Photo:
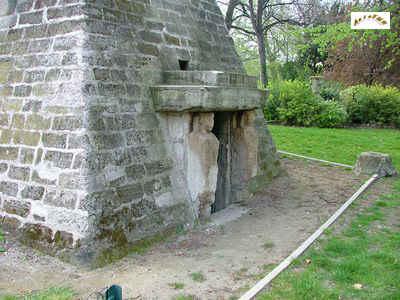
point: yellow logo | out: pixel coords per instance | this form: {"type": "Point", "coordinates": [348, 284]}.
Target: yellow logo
{"type": "Point", "coordinates": [370, 20]}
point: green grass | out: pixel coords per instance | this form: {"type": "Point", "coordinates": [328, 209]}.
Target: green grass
{"type": "Point", "coordinates": [50, 294]}
{"type": "Point", "coordinates": [338, 145]}
{"type": "Point", "coordinates": [268, 245]}
{"type": "Point", "coordinates": [1, 241]}
{"type": "Point", "coordinates": [198, 277]}
{"type": "Point", "coordinates": [177, 285]}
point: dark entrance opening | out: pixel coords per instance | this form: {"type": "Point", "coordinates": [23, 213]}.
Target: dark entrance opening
{"type": "Point", "coordinates": [183, 65]}
{"type": "Point", "coordinates": [222, 130]}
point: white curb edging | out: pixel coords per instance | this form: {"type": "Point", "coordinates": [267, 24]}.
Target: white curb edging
{"type": "Point", "coordinates": [316, 159]}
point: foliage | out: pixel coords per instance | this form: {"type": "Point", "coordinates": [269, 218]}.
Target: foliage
{"type": "Point", "coordinates": [332, 114]}
{"type": "Point", "coordinates": [340, 145]}
{"type": "Point", "coordinates": [361, 56]}
{"type": "Point", "coordinates": [271, 108]}
{"type": "Point", "coordinates": [293, 103]}
{"type": "Point", "coordinates": [298, 104]}
{"type": "Point", "coordinates": [330, 90]}
{"type": "Point", "coordinates": [292, 70]}
{"type": "Point", "coordinates": [346, 265]}
{"type": "Point", "coordinates": [372, 105]}
{"type": "Point", "coordinates": [353, 56]}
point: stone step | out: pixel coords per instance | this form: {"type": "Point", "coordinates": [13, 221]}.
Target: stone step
{"type": "Point", "coordinates": [200, 98]}
{"type": "Point", "coordinates": [210, 78]}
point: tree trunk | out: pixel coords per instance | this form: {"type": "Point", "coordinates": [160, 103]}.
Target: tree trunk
{"type": "Point", "coordinates": [262, 59]}
{"type": "Point", "coordinates": [229, 13]}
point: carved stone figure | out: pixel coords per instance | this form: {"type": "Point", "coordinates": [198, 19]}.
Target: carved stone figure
{"type": "Point", "coordinates": [202, 162]}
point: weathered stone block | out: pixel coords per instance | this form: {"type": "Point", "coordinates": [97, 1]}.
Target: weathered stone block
{"type": "Point", "coordinates": [65, 43]}
{"type": "Point", "coordinates": [5, 136]}
{"type": "Point", "coordinates": [3, 168]}
{"type": "Point", "coordinates": [32, 105]}
{"type": "Point", "coordinates": [23, 6]}
{"type": "Point", "coordinates": [26, 155]}
{"type": "Point", "coordinates": [107, 141]}
{"type": "Point", "coordinates": [59, 159]}
{"type": "Point", "coordinates": [5, 67]}
{"type": "Point", "coordinates": [148, 49]}
{"type": "Point", "coordinates": [65, 12]}
{"type": "Point", "coordinates": [10, 224]}
{"type": "Point", "coordinates": [17, 207]}
{"type": "Point", "coordinates": [52, 140]}
{"type": "Point", "coordinates": [18, 121]}
{"type": "Point", "coordinates": [129, 193]}
{"type": "Point", "coordinates": [12, 104]}
{"type": "Point", "coordinates": [67, 123]}
{"type": "Point", "coordinates": [135, 171]}
{"type": "Point", "coordinates": [78, 141]}
{"type": "Point", "coordinates": [9, 188]}
{"type": "Point", "coordinates": [62, 199]}
{"type": "Point", "coordinates": [375, 163]}
{"type": "Point", "coordinates": [180, 98]}
{"type": "Point", "coordinates": [158, 167]}
{"type": "Point", "coordinates": [6, 90]}
{"type": "Point", "coordinates": [22, 91]}
{"type": "Point", "coordinates": [43, 180]}
{"type": "Point", "coordinates": [32, 192]}
{"type": "Point", "coordinates": [42, 45]}
{"type": "Point", "coordinates": [8, 153]}
{"type": "Point", "coordinates": [71, 181]}
{"type": "Point", "coordinates": [39, 122]}
{"type": "Point", "coordinates": [31, 18]}
{"type": "Point", "coordinates": [34, 76]}
{"type": "Point", "coordinates": [4, 119]}
{"type": "Point", "coordinates": [19, 173]}
{"type": "Point", "coordinates": [15, 76]}
{"type": "Point", "coordinates": [44, 3]}
{"type": "Point", "coordinates": [27, 138]}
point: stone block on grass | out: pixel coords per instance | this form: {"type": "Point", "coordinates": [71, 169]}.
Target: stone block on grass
{"type": "Point", "coordinates": [370, 163]}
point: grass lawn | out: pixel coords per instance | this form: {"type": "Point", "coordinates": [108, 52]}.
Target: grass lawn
{"type": "Point", "coordinates": [363, 260]}
{"type": "Point", "coordinates": [338, 145]}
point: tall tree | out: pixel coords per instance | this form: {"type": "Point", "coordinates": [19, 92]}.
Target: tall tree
{"type": "Point", "coordinates": [261, 16]}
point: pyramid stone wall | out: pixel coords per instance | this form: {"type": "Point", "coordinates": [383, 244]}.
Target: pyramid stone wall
{"type": "Point", "coordinates": [84, 162]}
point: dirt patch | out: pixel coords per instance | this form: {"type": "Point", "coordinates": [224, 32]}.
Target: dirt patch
{"type": "Point", "coordinates": [252, 239]}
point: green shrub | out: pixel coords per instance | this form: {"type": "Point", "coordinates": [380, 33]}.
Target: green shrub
{"type": "Point", "coordinates": [273, 103]}
{"type": "Point", "coordinates": [332, 114]}
{"type": "Point", "coordinates": [372, 105]}
{"type": "Point", "coordinates": [293, 103]}
{"type": "Point", "coordinates": [297, 104]}
{"type": "Point", "coordinates": [330, 90]}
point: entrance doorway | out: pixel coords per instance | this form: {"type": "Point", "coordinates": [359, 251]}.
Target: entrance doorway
{"type": "Point", "coordinates": [222, 130]}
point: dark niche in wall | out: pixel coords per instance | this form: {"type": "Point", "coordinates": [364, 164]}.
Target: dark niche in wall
{"type": "Point", "coordinates": [183, 65]}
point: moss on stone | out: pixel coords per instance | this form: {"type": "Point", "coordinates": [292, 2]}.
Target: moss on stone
{"type": "Point", "coordinates": [112, 254]}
